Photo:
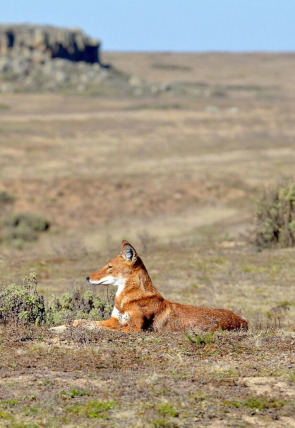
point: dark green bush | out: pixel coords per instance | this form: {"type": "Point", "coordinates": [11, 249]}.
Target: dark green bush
{"type": "Point", "coordinates": [275, 218]}
{"type": "Point", "coordinates": [5, 198]}
{"type": "Point", "coordinates": [22, 303]}
{"type": "Point", "coordinates": [32, 221]}
{"type": "Point", "coordinates": [19, 228]}
{"type": "Point", "coordinates": [75, 305]}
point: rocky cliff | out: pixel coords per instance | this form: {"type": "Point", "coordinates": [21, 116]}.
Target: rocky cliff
{"type": "Point", "coordinates": [43, 42]}
{"type": "Point", "coordinates": [35, 58]}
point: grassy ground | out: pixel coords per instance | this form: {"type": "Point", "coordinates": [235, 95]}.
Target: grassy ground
{"type": "Point", "coordinates": [179, 177]}
{"type": "Point", "coordinates": [111, 379]}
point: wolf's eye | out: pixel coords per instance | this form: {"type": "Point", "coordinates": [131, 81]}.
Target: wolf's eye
{"type": "Point", "coordinates": [110, 267]}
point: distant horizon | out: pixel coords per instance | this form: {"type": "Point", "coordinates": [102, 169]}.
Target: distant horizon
{"type": "Point", "coordinates": [198, 52]}
{"type": "Point", "coordinates": [192, 26]}
{"type": "Point", "coordinates": [152, 51]}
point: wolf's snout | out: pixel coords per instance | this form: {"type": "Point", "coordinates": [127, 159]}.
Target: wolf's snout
{"type": "Point", "coordinates": [87, 278]}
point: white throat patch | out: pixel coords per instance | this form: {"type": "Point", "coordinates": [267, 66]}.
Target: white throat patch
{"type": "Point", "coordinates": [117, 281]}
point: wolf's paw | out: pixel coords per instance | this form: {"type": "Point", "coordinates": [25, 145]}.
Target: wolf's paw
{"type": "Point", "coordinates": [87, 324]}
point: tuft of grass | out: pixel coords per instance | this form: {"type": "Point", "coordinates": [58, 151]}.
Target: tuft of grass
{"type": "Point", "coordinates": [93, 409]}
{"type": "Point", "coordinates": [74, 393]}
{"type": "Point", "coordinates": [262, 403]}
{"type": "Point", "coordinates": [3, 415]}
{"type": "Point", "coordinates": [275, 217]}
{"type": "Point", "coordinates": [257, 403]}
{"type": "Point", "coordinates": [200, 339]}
{"type": "Point", "coordinates": [162, 423]}
{"type": "Point", "coordinates": [167, 409]}
{"type": "Point", "coordinates": [8, 403]}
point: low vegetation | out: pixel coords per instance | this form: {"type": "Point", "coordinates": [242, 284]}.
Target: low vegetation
{"type": "Point", "coordinates": [96, 378]}
{"type": "Point", "coordinates": [22, 304]}
{"type": "Point", "coordinates": [110, 379]}
{"type": "Point", "coordinates": [18, 228]}
{"type": "Point", "coordinates": [5, 198]}
{"type": "Point", "coordinates": [275, 218]}
{"type": "Point", "coordinates": [76, 305]}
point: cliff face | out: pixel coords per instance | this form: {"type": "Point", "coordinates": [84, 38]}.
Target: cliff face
{"type": "Point", "coordinates": [49, 42]}
{"type": "Point", "coordinates": [36, 58]}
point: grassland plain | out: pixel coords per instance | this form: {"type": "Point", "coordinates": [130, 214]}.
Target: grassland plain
{"type": "Point", "coordinates": [179, 177]}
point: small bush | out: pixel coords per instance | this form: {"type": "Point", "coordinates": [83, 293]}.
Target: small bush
{"type": "Point", "coordinates": [22, 303]}
{"type": "Point", "coordinates": [5, 198]}
{"type": "Point", "coordinates": [74, 305]}
{"type": "Point", "coordinates": [23, 227]}
{"type": "Point", "coordinates": [275, 218]}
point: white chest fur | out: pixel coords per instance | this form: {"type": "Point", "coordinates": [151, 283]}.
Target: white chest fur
{"type": "Point", "coordinates": [121, 317]}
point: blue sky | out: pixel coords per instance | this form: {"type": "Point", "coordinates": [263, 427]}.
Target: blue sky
{"type": "Point", "coordinates": [168, 25]}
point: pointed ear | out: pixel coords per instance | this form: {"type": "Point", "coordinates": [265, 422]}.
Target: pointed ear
{"type": "Point", "coordinates": [128, 252]}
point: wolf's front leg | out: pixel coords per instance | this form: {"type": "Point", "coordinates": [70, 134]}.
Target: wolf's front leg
{"type": "Point", "coordinates": [135, 323]}
{"type": "Point", "coordinates": [112, 324]}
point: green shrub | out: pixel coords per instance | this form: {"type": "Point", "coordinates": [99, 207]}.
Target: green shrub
{"type": "Point", "coordinates": [5, 198]}
{"type": "Point", "coordinates": [23, 227]}
{"type": "Point", "coordinates": [33, 221]}
{"type": "Point", "coordinates": [275, 217]}
{"type": "Point", "coordinates": [74, 305]}
{"type": "Point", "coordinates": [200, 339]}
{"type": "Point", "coordinates": [22, 303]}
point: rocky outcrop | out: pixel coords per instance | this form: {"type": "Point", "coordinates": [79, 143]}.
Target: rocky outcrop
{"type": "Point", "coordinates": [35, 58]}
{"type": "Point", "coordinates": [44, 42]}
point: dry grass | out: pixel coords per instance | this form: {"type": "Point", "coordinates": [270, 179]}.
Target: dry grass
{"type": "Point", "coordinates": [179, 177]}
{"type": "Point", "coordinates": [146, 379]}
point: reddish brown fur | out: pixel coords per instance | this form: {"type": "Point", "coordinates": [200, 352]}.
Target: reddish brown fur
{"type": "Point", "coordinates": [147, 307]}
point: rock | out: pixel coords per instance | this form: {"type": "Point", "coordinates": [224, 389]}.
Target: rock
{"type": "Point", "coordinates": [135, 82]}
{"type": "Point", "coordinates": [51, 42]}
{"type": "Point", "coordinates": [36, 58]}
{"type": "Point", "coordinates": [233, 110]}
{"type": "Point", "coordinates": [212, 109]}
{"type": "Point", "coordinates": [43, 58]}
{"type": "Point", "coordinates": [4, 64]}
